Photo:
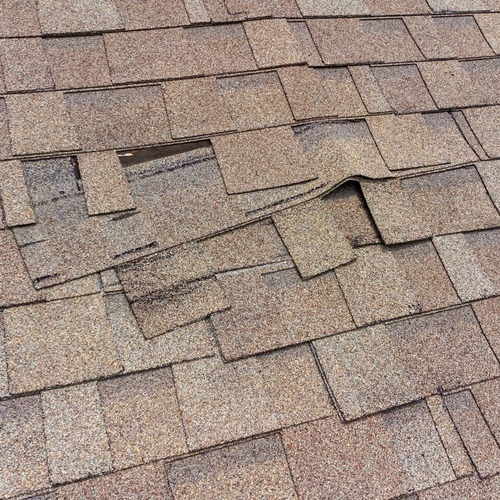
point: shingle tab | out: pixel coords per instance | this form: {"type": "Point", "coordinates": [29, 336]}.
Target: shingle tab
{"type": "Point", "coordinates": [488, 23]}
{"type": "Point", "coordinates": [485, 123]}
{"type": "Point", "coordinates": [19, 18]}
{"type": "Point", "coordinates": [148, 14]}
{"type": "Point", "coordinates": [488, 314]}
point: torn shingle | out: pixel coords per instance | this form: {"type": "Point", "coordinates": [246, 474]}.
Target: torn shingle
{"type": "Point", "coordinates": [381, 457]}
{"type": "Point", "coordinates": [77, 445]}
{"type": "Point", "coordinates": [142, 417]}
{"type": "Point", "coordinates": [485, 123]}
{"type": "Point", "coordinates": [58, 343]}
{"type": "Point", "coordinates": [253, 469]}
{"type": "Point", "coordinates": [354, 41]}
{"type": "Point", "coordinates": [196, 107]}
{"type": "Point", "coordinates": [148, 14]}
{"type": "Point", "coordinates": [381, 367]}
{"type": "Point", "coordinates": [118, 118]}
{"type": "Point", "coordinates": [40, 123]}
{"type": "Point", "coordinates": [78, 62]}
{"type": "Point", "coordinates": [255, 101]}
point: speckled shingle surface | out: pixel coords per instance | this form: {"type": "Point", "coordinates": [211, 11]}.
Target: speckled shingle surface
{"type": "Point", "coordinates": [249, 249]}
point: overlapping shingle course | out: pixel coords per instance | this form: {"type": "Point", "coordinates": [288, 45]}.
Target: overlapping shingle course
{"type": "Point", "coordinates": [249, 249]}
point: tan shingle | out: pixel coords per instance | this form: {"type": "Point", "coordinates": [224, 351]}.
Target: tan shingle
{"type": "Point", "coordinates": [488, 314]}
{"type": "Point", "coordinates": [19, 18]}
{"type": "Point", "coordinates": [362, 7]}
{"type": "Point", "coordinates": [470, 487]}
{"type": "Point", "coordinates": [304, 40]}
{"type": "Point", "coordinates": [271, 8]}
{"type": "Point", "coordinates": [486, 396]}
{"type": "Point", "coordinates": [489, 27]}
{"type": "Point", "coordinates": [490, 175]}
{"type": "Point", "coordinates": [369, 89]}
{"type": "Point", "coordinates": [446, 6]}
{"type": "Point", "coordinates": [148, 14]}
{"type": "Point", "coordinates": [485, 123]}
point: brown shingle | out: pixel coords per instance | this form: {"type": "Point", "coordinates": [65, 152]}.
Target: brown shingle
{"type": "Point", "coordinates": [78, 61]}
{"type": "Point", "coordinates": [485, 123]}
{"type": "Point", "coordinates": [5, 149]}
{"type": "Point", "coordinates": [77, 445]}
{"type": "Point", "coordinates": [381, 366]}
{"type": "Point", "coordinates": [486, 396]}
{"type": "Point", "coordinates": [57, 16]}
{"type": "Point", "coordinates": [418, 140]}
{"type": "Point", "coordinates": [197, 11]}
{"type": "Point", "coordinates": [196, 107]}
{"type": "Point", "coordinates": [142, 417]}
{"type": "Point", "coordinates": [40, 123]}
{"type": "Point", "coordinates": [23, 464]}
{"type": "Point", "coordinates": [470, 487]}
{"type": "Point", "coordinates": [362, 7]}
{"type": "Point", "coordinates": [474, 431]}
{"type": "Point", "coordinates": [120, 117]}
{"type": "Point", "coordinates": [255, 101]}
{"type": "Point", "coordinates": [150, 55]}
{"type": "Point", "coordinates": [448, 36]}
{"type": "Point", "coordinates": [446, 6]}
{"type": "Point", "coordinates": [4, 379]}
{"type": "Point", "coordinates": [329, 92]}
{"type": "Point", "coordinates": [148, 14]}
{"type": "Point", "coordinates": [254, 469]}
{"type": "Point", "coordinates": [488, 314]}
{"type": "Point", "coordinates": [271, 8]}
{"type": "Point", "coordinates": [304, 40]}
{"type": "Point", "coordinates": [369, 89]}
{"type": "Point", "coordinates": [19, 18]}
{"type": "Point", "coordinates": [489, 27]}
{"type": "Point", "coordinates": [222, 402]}
{"type": "Point", "coordinates": [59, 343]}
{"type": "Point", "coordinates": [261, 159]}
{"type": "Point", "coordinates": [351, 41]}
{"type": "Point", "coordinates": [490, 175]}
{"type": "Point", "coordinates": [273, 43]}
{"type": "Point", "coordinates": [381, 457]}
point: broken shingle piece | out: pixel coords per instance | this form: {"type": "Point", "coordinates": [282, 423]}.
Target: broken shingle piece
{"type": "Point", "coordinates": [485, 123]}
{"type": "Point", "coordinates": [381, 366]}
{"type": "Point", "coordinates": [57, 16]}
{"type": "Point", "coordinates": [261, 159]}
{"type": "Point", "coordinates": [384, 456]}
{"type": "Point", "coordinates": [255, 101]}
{"type": "Point", "coordinates": [354, 41]}
{"type": "Point", "coordinates": [119, 118]}
{"type": "Point", "coordinates": [14, 196]}
{"type": "Point", "coordinates": [196, 107]}
{"type": "Point", "coordinates": [77, 445]}
{"type": "Point", "coordinates": [148, 14]}
{"type": "Point", "coordinates": [104, 182]}
{"type": "Point", "coordinates": [142, 416]}
{"type": "Point", "coordinates": [254, 469]}
{"type": "Point", "coordinates": [59, 343]}
{"type": "Point", "coordinates": [40, 123]}
{"type": "Point", "coordinates": [78, 61]}
{"type": "Point", "coordinates": [313, 238]}
{"type": "Point", "coordinates": [23, 462]}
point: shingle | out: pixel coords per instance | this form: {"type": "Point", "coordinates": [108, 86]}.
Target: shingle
{"type": "Point", "coordinates": [220, 49]}
{"type": "Point", "coordinates": [486, 396]}
{"type": "Point", "coordinates": [375, 287]}
{"type": "Point", "coordinates": [150, 55]}
{"type": "Point", "coordinates": [5, 150]}
{"type": "Point", "coordinates": [272, 8]}
{"type": "Point", "coordinates": [361, 7]}
{"type": "Point", "coordinates": [450, 438]}
{"type": "Point", "coordinates": [4, 380]}
{"type": "Point", "coordinates": [381, 366]}
{"type": "Point", "coordinates": [470, 487]}
{"type": "Point", "coordinates": [254, 469]}
{"type": "Point", "coordinates": [469, 135]}
{"type": "Point", "coordinates": [14, 196]}
{"type": "Point", "coordinates": [260, 159]}
{"type": "Point", "coordinates": [77, 445]}
{"type": "Point", "coordinates": [474, 431]}
{"type": "Point", "coordinates": [488, 314]}
{"type": "Point", "coordinates": [148, 481]}
{"type": "Point", "coordinates": [104, 182]}
{"type": "Point", "coordinates": [304, 40]}
{"type": "Point", "coordinates": [40, 123]}
{"type": "Point", "coordinates": [142, 417]}
{"type": "Point", "coordinates": [412, 141]}
{"type": "Point", "coordinates": [472, 262]}
{"type": "Point", "coordinates": [23, 463]}
{"type": "Point", "coordinates": [87, 285]}
{"type": "Point", "coordinates": [273, 307]}
{"type": "Point", "coordinates": [119, 118]}
{"type": "Point", "coordinates": [329, 92]}
{"type": "Point", "coordinates": [339, 150]}
{"type": "Point", "coordinates": [16, 284]}
{"type": "Point", "coordinates": [197, 11]}
{"type": "Point", "coordinates": [485, 123]}
{"type": "Point", "coordinates": [196, 107]}
{"type": "Point", "coordinates": [137, 353]}
{"type": "Point", "coordinates": [490, 175]}
{"type": "Point", "coordinates": [60, 342]}
{"type": "Point", "coordinates": [152, 13]}
{"type": "Point", "coordinates": [488, 23]}
{"type": "Point", "coordinates": [222, 402]}
{"type": "Point", "coordinates": [57, 16]}
{"type": "Point", "coordinates": [403, 88]}
{"type": "Point", "coordinates": [19, 18]}
{"type": "Point", "coordinates": [369, 89]}
{"type": "Point", "coordinates": [384, 456]}
{"type": "Point", "coordinates": [25, 65]}
{"type": "Point", "coordinates": [353, 41]}
{"type": "Point", "coordinates": [78, 61]}
{"type": "Point", "coordinates": [273, 43]}
{"type": "Point", "coordinates": [313, 238]}
{"type": "Point", "coordinates": [255, 101]}
{"type": "Point", "coordinates": [456, 83]}
{"type": "Point", "coordinates": [461, 5]}
{"type": "Point", "coordinates": [448, 36]}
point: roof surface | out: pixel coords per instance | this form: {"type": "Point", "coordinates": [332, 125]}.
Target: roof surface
{"type": "Point", "coordinates": [250, 249]}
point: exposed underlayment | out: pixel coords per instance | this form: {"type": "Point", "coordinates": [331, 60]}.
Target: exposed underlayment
{"type": "Point", "coordinates": [249, 249]}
